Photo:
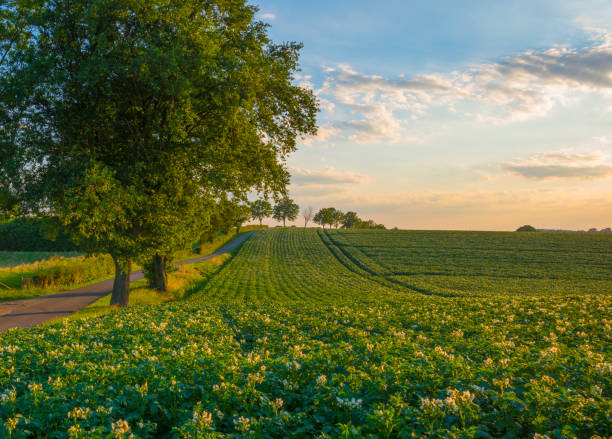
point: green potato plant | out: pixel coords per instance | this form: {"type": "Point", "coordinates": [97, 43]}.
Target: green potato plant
{"type": "Point", "coordinates": [290, 340]}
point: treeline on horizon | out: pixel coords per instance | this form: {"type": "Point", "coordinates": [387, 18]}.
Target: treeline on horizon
{"type": "Point", "coordinates": [287, 209]}
{"type": "Point", "coordinates": [529, 228]}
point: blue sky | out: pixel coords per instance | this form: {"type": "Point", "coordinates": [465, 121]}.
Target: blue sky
{"type": "Point", "coordinates": [455, 115]}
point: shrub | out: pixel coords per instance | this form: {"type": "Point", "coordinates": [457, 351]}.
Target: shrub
{"type": "Point", "coordinates": [526, 228]}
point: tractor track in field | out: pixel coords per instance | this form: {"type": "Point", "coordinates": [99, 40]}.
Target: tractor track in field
{"type": "Point", "coordinates": [381, 280]}
{"type": "Point", "coordinates": [27, 313]}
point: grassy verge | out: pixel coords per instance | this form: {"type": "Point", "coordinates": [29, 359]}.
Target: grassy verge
{"type": "Point", "coordinates": [182, 283]}
{"type": "Point", "coordinates": [54, 275]}
{"type": "Point", "coordinates": [186, 280]}
{"type": "Point", "coordinates": [67, 273]}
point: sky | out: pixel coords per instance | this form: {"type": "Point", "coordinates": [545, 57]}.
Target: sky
{"type": "Point", "coordinates": [478, 115]}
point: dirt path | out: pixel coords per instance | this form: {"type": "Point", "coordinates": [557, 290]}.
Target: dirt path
{"type": "Point", "coordinates": [27, 313]}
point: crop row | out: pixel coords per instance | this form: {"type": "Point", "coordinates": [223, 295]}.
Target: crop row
{"type": "Point", "coordinates": [288, 341]}
{"type": "Point", "coordinates": [484, 262]}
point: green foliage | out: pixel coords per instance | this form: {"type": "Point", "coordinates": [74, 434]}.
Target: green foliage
{"type": "Point", "coordinates": [325, 216]}
{"type": "Point", "coordinates": [369, 224]}
{"type": "Point", "coordinates": [332, 216]}
{"type": "Point", "coordinates": [33, 234]}
{"type": "Point", "coordinates": [224, 215]}
{"type": "Point", "coordinates": [286, 209]}
{"type": "Point", "coordinates": [261, 209]}
{"type": "Point", "coordinates": [288, 339]}
{"type": "Point", "coordinates": [526, 228]}
{"type": "Point", "coordinates": [351, 220]}
{"type": "Point", "coordinates": [337, 218]}
{"type": "Point", "coordinates": [126, 119]}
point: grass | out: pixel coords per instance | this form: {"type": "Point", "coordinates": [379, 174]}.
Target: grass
{"type": "Point", "coordinates": [299, 335]}
{"type": "Point", "coordinates": [57, 274]}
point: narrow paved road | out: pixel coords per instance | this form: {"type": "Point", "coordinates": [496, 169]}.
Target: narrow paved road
{"type": "Point", "coordinates": [27, 313]}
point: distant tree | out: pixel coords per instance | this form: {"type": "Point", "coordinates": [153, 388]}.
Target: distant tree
{"type": "Point", "coordinates": [351, 220]}
{"type": "Point", "coordinates": [307, 214]}
{"type": "Point", "coordinates": [286, 209]}
{"type": "Point", "coordinates": [242, 213]}
{"type": "Point", "coordinates": [318, 218]}
{"type": "Point", "coordinates": [224, 214]}
{"type": "Point", "coordinates": [261, 209]}
{"type": "Point", "coordinates": [232, 213]}
{"type": "Point", "coordinates": [338, 218]}
{"type": "Point", "coordinates": [526, 228]}
{"type": "Point", "coordinates": [325, 216]}
{"type": "Point", "coordinates": [370, 224]}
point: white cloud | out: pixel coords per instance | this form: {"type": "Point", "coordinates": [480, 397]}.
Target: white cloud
{"type": "Point", "coordinates": [375, 109]}
{"type": "Point", "coordinates": [562, 164]}
{"type": "Point", "coordinates": [324, 133]}
{"type": "Point", "coordinates": [268, 16]}
{"type": "Point", "coordinates": [329, 176]}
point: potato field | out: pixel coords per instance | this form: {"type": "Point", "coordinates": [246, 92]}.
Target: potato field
{"type": "Point", "coordinates": [339, 334]}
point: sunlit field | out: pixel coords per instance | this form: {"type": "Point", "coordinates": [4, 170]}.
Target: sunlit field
{"type": "Point", "coordinates": [312, 333]}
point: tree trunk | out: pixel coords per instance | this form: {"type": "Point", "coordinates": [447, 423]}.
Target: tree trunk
{"type": "Point", "coordinates": [161, 277]}
{"type": "Point", "coordinates": [260, 221]}
{"type": "Point", "coordinates": [284, 223]}
{"type": "Point", "coordinates": [121, 286]}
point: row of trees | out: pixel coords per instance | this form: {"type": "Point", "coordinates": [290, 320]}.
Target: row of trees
{"type": "Point", "coordinates": [333, 217]}
{"type": "Point", "coordinates": [284, 210]}
{"type": "Point", "coordinates": [287, 209]}
{"type": "Point", "coordinates": [136, 125]}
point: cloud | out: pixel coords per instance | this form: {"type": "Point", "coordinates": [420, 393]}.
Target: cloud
{"type": "Point", "coordinates": [329, 176]}
{"type": "Point", "coordinates": [268, 16]}
{"type": "Point", "coordinates": [562, 164]}
{"type": "Point", "coordinates": [376, 109]}
{"type": "Point", "coordinates": [324, 133]}
{"type": "Point", "coordinates": [542, 172]}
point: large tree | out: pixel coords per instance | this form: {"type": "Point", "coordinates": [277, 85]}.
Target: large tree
{"type": "Point", "coordinates": [119, 109]}
{"type": "Point", "coordinates": [286, 209]}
